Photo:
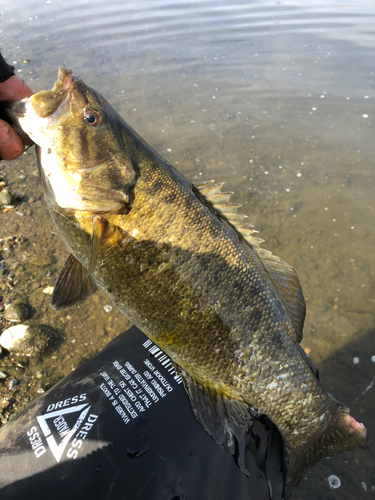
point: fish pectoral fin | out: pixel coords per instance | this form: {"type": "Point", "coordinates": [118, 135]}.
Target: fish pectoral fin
{"type": "Point", "coordinates": [100, 228]}
{"type": "Point", "coordinates": [228, 421]}
{"type": "Point", "coordinates": [73, 285]}
{"type": "Point", "coordinates": [289, 288]}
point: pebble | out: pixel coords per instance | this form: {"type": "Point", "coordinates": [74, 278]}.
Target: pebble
{"type": "Point", "coordinates": [12, 384]}
{"type": "Point", "coordinates": [46, 383]}
{"type": "Point", "coordinates": [4, 404]}
{"type": "Point", "coordinates": [5, 197]}
{"type": "Point", "coordinates": [41, 260]}
{"type": "Point", "coordinates": [3, 375]}
{"type": "Point", "coordinates": [16, 313]}
{"type": "Point", "coordinates": [27, 339]}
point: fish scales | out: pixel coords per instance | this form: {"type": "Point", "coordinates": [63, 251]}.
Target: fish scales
{"type": "Point", "coordinates": [208, 259]}
{"type": "Point", "coordinates": [187, 273]}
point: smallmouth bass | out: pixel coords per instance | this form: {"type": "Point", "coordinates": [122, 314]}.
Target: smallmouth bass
{"type": "Point", "coordinates": [180, 262]}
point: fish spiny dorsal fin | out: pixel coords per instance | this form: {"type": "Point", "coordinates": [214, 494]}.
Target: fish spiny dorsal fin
{"type": "Point", "coordinates": [282, 273]}
{"type": "Point", "coordinates": [222, 206]}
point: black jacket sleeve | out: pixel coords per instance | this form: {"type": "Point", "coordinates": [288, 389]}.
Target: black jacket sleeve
{"type": "Point", "coordinates": [6, 70]}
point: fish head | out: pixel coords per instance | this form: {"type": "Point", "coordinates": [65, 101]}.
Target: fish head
{"type": "Point", "coordinates": [85, 161]}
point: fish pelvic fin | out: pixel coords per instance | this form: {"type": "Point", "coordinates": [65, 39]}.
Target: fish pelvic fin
{"type": "Point", "coordinates": [228, 421]}
{"type": "Point", "coordinates": [341, 433]}
{"type": "Point", "coordinates": [73, 285]}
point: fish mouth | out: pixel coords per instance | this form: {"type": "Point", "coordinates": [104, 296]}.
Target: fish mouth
{"type": "Point", "coordinates": [54, 97]}
{"type": "Point", "coordinates": [19, 108]}
{"type": "Point", "coordinates": [46, 103]}
{"type": "Point", "coordinates": [65, 78]}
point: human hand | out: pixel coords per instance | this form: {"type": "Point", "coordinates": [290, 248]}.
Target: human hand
{"type": "Point", "coordinates": [11, 144]}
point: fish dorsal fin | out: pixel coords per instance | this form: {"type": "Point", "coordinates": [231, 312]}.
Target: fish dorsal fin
{"type": "Point", "coordinates": [228, 421]}
{"type": "Point", "coordinates": [289, 288]}
{"type": "Point", "coordinates": [221, 205]}
{"type": "Point", "coordinates": [72, 286]}
{"type": "Point", "coordinates": [282, 273]}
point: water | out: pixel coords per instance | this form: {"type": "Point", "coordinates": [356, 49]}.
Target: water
{"type": "Point", "coordinates": [274, 98]}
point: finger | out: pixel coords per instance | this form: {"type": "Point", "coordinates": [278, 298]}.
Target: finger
{"type": "Point", "coordinates": [11, 146]}
{"type": "Point", "coordinates": [14, 89]}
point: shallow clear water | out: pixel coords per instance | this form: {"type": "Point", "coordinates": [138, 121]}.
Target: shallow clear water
{"type": "Point", "coordinates": [275, 98]}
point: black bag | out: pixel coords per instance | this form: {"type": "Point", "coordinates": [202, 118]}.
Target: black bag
{"type": "Point", "coordinates": [121, 427]}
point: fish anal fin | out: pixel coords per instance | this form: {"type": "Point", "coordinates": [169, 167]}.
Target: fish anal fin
{"type": "Point", "coordinates": [72, 285]}
{"type": "Point", "coordinates": [289, 288]}
{"type": "Point", "coordinates": [228, 421]}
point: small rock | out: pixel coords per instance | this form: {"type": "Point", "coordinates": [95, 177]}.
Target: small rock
{"type": "Point", "coordinates": [16, 313]}
{"type": "Point", "coordinates": [15, 371]}
{"type": "Point", "coordinates": [4, 404]}
{"type": "Point", "coordinates": [12, 384]}
{"type": "Point", "coordinates": [3, 375]}
{"type": "Point", "coordinates": [48, 290]}
{"type": "Point", "coordinates": [5, 197]}
{"type": "Point", "coordinates": [40, 260]}
{"type": "Point", "coordinates": [27, 339]}
{"type": "Point", "coordinates": [46, 383]}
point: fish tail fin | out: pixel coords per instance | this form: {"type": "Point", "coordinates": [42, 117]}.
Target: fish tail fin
{"type": "Point", "coordinates": [341, 433]}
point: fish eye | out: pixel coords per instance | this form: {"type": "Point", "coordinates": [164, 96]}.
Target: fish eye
{"type": "Point", "coordinates": [93, 118]}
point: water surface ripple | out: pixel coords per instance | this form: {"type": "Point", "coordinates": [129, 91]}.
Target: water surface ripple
{"type": "Point", "coordinates": [274, 97]}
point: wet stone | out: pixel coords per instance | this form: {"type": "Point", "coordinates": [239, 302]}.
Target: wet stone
{"type": "Point", "coordinates": [15, 371]}
{"type": "Point", "coordinates": [16, 313]}
{"type": "Point", "coordinates": [27, 339]}
{"type": "Point", "coordinates": [46, 383]}
{"type": "Point", "coordinates": [5, 197]}
{"type": "Point", "coordinates": [3, 375]}
{"type": "Point", "coordinates": [12, 384]}
{"type": "Point", "coordinates": [4, 405]}
{"type": "Point", "coordinates": [41, 260]}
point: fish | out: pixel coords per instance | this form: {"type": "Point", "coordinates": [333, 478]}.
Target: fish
{"type": "Point", "coordinates": [186, 268]}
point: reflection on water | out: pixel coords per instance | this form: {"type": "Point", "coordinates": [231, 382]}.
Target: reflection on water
{"type": "Point", "coordinates": [275, 98]}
